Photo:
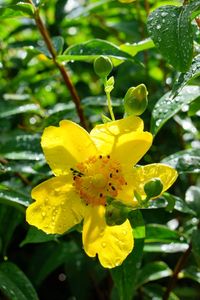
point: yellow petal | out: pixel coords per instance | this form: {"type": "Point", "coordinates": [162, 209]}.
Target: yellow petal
{"type": "Point", "coordinates": [124, 140]}
{"type": "Point", "coordinates": [111, 243]}
{"type": "Point", "coordinates": [142, 175]}
{"type": "Point", "coordinates": [57, 207]}
{"type": "Point", "coordinates": [66, 145]}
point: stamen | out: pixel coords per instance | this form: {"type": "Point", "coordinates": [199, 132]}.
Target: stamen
{"type": "Point", "coordinates": [97, 178]}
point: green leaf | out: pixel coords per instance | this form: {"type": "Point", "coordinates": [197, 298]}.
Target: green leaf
{"type": "Point", "coordinates": [168, 106]}
{"type": "Point", "coordinates": [156, 233]}
{"type": "Point", "coordinates": [19, 10]}
{"type": "Point", "coordinates": [171, 30]}
{"type": "Point", "coordinates": [91, 50]}
{"type": "Point", "coordinates": [192, 198]}
{"type": "Point", "coordinates": [186, 161]}
{"type": "Point", "coordinates": [163, 201]}
{"type": "Point", "coordinates": [153, 271]}
{"type": "Point", "coordinates": [58, 43]}
{"type": "Point", "coordinates": [155, 291]}
{"type": "Point", "coordinates": [135, 48]}
{"type": "Point", "coordinates": [49, 256]}
{"type": "Point", "coordinates": [196, 245]}
{"type": "Point", "coordinates": [35, 235]}
{"type": "Point", "coordinates": [124, 276]}
{"type": "Point", "coordinates": [8, 109]}
{"type": "Point", "coordinates": [184, 78]}
{"type": "Point", "coordinates": [19, 145]}
{"type": "Point", "coordinates": [13, 198]}
{"type": "Point", "coordinates": [192, 272]}
{"type": "Point", "coordinates": [166, 248]}
{"type": "Point", "coordinates": [14, 284]}
{"type": "Point", "coordinates": [10, 218]}
{"type": "Point", "coordinates": [13, 167]}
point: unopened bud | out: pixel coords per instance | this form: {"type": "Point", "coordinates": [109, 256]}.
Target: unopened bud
{"type": "Point", "coordinates": [116, 215]}
{"type": "Point", "coordinates": [103, 66]}
{"type": "Point", "coordinates": [135, 100]}
{"type": "Point", "coordinates": [153, 188]}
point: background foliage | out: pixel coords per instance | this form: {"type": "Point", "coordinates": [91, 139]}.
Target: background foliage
{"type": "Point", "coordinates": [151, 42]}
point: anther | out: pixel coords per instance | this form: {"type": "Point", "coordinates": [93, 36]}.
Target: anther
{"type": "Point", "coordinates": [117, 171]}
{"type": "Point", "coordinates": [108, 156]}
{"type": "Point", "coordinates": [113, 188]}
{"type": "Point", "coordinates": [100, 156]}
{"type": "Point", "coordinates": [110, 183]}
{"type": "Point", "coordinates": [101, 195]}
{"type": "Point", "coordinates": [110, 175]}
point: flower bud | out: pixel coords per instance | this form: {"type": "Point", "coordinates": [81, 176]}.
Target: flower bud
{"type": "Point", "coordinates": [153, 188]}
{"type": "Point", "coordinates": [115, 215]}
{"type": "Point", "coordinates": [135, 100]}
{"type": "Point", "coordinates": [103, 66]}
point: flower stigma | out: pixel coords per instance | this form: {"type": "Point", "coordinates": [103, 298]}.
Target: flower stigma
{"type": "Point", "coordinates": [97, 178]}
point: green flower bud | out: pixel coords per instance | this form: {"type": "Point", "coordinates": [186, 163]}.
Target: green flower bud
{"type": "Point", "coordinates": [135, 100]}
{"type": "Point", "coordinates": [103, 66]}
{"type": "Point", "coordinates": [153, 188]}
{"type": "Point", "coordinates": [116, 215]}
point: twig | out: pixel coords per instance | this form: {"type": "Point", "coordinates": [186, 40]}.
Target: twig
{"type": "Point", "coordinates": [179, 266]}
{"type": "Point", "coordinates": [63, 71]}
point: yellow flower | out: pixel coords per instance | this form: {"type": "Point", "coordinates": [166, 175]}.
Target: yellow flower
{"type": "Point", "coordinates": [88, 168]}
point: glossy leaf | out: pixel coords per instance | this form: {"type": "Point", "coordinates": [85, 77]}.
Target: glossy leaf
{"type": "Point", "coordinates": [49, 257]}
{"type": "Point", "coordinates": [133, 49]}
{"type": "Point", "coordinates": [192, 272]}
{"type": "Point", "coordinates": [160, 233]}
{"type": "Point", "coordinates": [171, 30]}
{"type": "Point", "coordinates": [153, 271]}
{"type": "Point", "coordinates": [184, 78]}
{"type": "Point", "coordinates": [13, 198]}
{"type": "Point", "coordinates": [196, 245]}
{"type": "Point", "coordinates": [14, 284]}
{"type": "Point", "coordinates": [10, 110]}
{"type": "Point", "coordinates": [35, 235]}
{"type": "Point", "coordinates": [13, 11]}
{"type": "Point", "coordinates": [19, 145]}
{"type": "Point", "coordinates": [192, 198]}
{"type": "Point", "coordinates": [166, 248]}
{"type": "Point", "coordinates": [91, 50]}
{"type": "Point", "coordinates": [186, 161]}
{"type": "Point", "coordinates": [10, 218]}
{"type": "Point", "coordinates": [163, 202]}
{"type": "Point", "coordinates": [168, 106]}
{"type": "Point", "coordinates": [124, 276]}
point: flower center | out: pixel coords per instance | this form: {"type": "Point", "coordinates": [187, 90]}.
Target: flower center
{"type": "Point", "coordinates": [98, 178]}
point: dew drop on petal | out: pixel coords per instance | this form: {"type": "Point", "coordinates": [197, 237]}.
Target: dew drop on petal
{"type": "Point", "coordinates": [103, 244]}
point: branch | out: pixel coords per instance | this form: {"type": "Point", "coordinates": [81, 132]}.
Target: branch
{"type": "Point", "coordinates": [179, 266]}
{"type": "Point", "coordinates": [63, 71]}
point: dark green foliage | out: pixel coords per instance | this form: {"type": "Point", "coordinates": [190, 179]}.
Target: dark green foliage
{"type": "Point", "coordinates": [155, 43]}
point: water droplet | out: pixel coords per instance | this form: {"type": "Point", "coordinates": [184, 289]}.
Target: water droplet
{"type": "Point", "coordinates": [164, 14]}
{"type": "Point", "coordinates": [103, 245]}
{"type": "Point", "coordinates": [43, 214]}
{"type": "Point", "coordinates": [158, 26]}
{"type": "Point", "coordinates": [118, 262]}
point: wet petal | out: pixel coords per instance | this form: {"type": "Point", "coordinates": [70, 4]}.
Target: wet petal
{"type": "Point", "coordinates": [57, 207]}
{"type": "Point", "coordinates": [124, 140]}
{"type": "Point", "coordinates": [66, 145]}
{"type": "Point", "coordinates": [111, 243]}
{"type": "Point", "coordinates": [142, 175]}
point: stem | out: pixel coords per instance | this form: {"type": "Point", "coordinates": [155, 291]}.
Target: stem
{"type": "Point", "coordinates": [63, 71]}
{"type": "Point", "coordinates": [110, 106]}
{"type": "Point", "coordinates": [179, 266]}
